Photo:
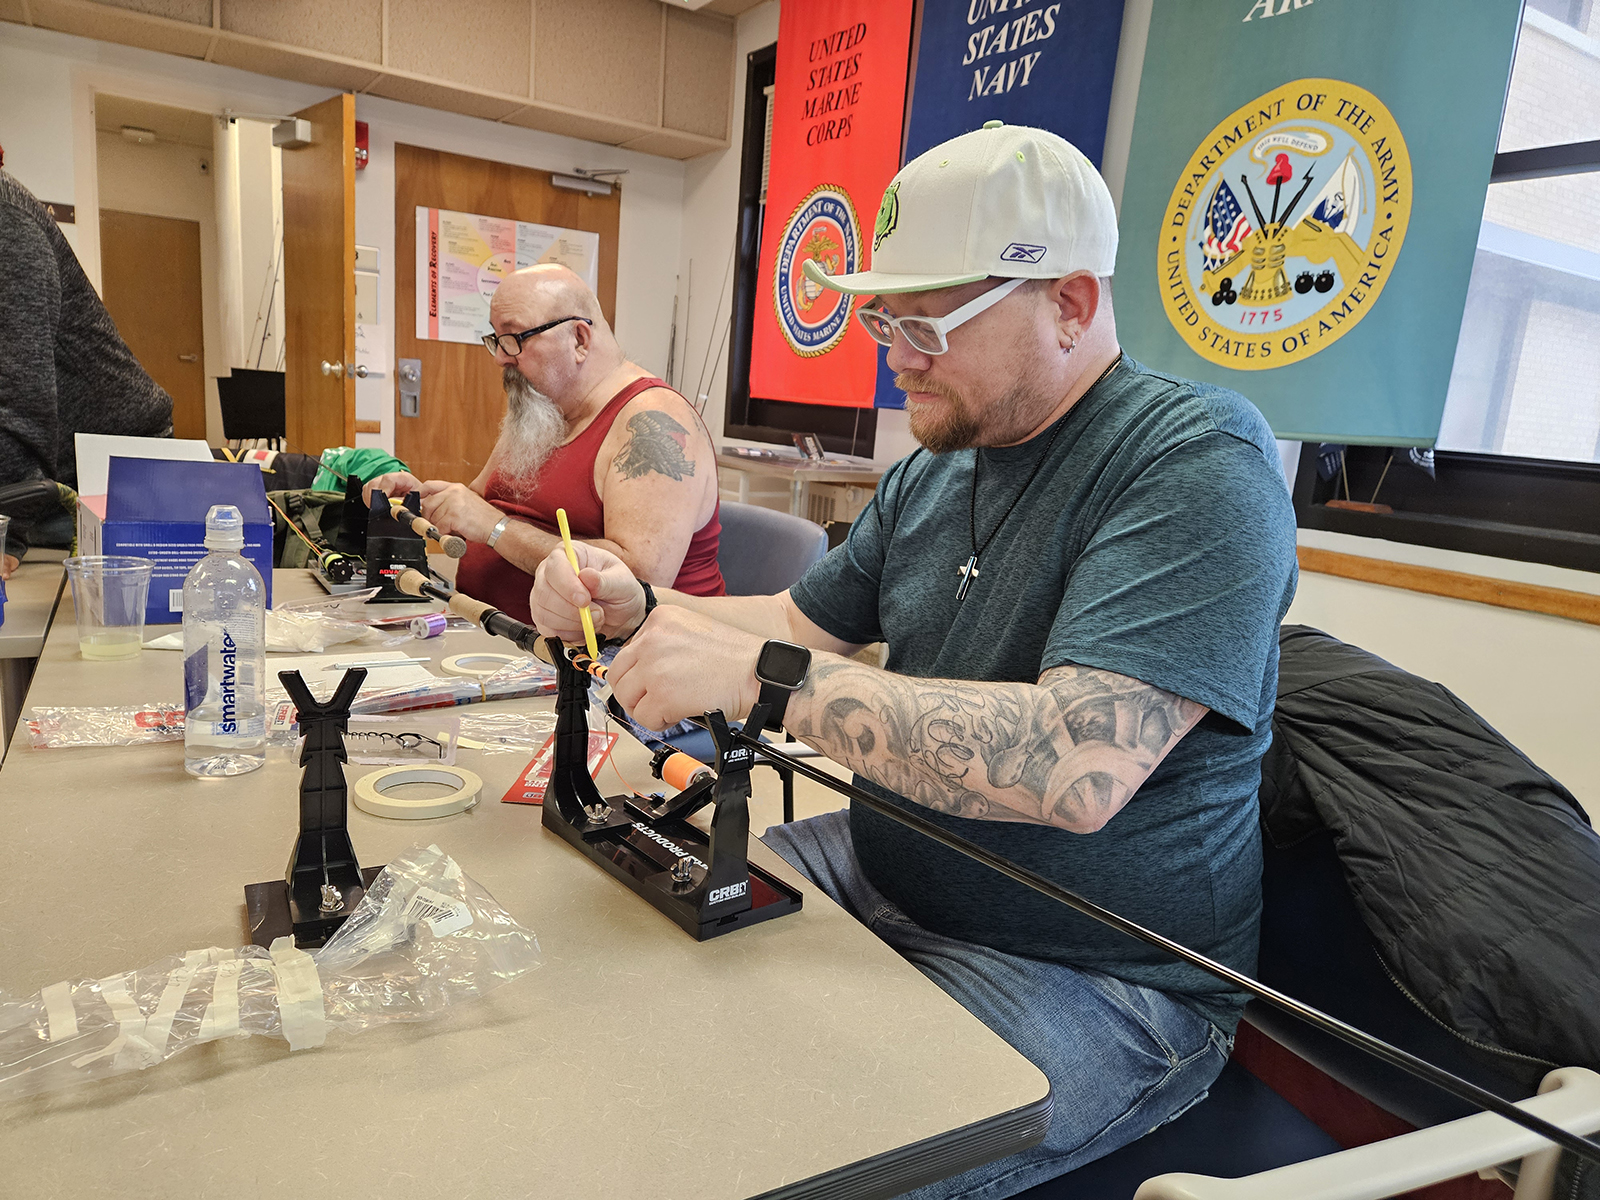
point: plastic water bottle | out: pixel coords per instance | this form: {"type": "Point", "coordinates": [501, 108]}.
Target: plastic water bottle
{"type": "Point", "coordinates": [224, 654]}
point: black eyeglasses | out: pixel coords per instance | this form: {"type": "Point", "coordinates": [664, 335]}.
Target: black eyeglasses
{"type": "Point", "coordinates": [510, 344]}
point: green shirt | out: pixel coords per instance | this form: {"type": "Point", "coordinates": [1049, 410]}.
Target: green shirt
{"type": "Point", "coordinates": [1157, 541]}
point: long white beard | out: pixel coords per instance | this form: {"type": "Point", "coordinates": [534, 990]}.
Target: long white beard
{"type": "Point", "coordinates": [529, 433]}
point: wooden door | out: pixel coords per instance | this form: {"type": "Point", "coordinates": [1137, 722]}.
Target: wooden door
{"type": "Point", "coordinates": [319, 282]}
{"type": "Point", "coordinates": [150, 273]}
{"type": "Point", "coordinates": [462, 396]}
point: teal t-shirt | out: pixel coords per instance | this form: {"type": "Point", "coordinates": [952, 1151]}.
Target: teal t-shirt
{"type": "Point", "coordinates": [1157, 541]}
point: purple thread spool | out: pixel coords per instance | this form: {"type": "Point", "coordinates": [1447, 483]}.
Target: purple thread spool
{"type": "Point", "coordinates": [431, 625]}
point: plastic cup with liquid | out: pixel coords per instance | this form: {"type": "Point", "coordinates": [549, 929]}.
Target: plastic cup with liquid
{"type": "Point", "coordinates": [109, 592]}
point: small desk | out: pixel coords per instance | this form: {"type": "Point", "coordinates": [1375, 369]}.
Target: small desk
{"type": "Point", "coordinates": [32, 594]}
{"type": "Point", "coordinates": [800, 1057]}
{"type": "Point", "coordinates": [800, 474]}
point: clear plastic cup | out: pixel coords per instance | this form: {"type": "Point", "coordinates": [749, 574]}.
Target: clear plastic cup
{"type": "Point", "coordinates": [109, 592]}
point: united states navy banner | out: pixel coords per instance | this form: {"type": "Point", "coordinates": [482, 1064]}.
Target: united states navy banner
{"type": "Point", "coordinates": [1302, 203]}
{"type": "Point", "coordinates": [1046, 63]}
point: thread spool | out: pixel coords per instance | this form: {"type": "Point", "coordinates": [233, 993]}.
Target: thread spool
{"type": "Point", "coordinates": [680, 771]}
{"type": "Point", "coordinates": [429, 625]}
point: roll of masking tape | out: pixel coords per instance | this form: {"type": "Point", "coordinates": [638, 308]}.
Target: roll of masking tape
{"type": "Point", "coordinates": [477, 666]}
{"type": "Point", "coordinates": [371, 792]}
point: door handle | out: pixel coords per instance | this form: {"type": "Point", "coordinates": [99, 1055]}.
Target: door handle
{"type": "Point", "coordinates": [332, 368]}
{"type": "Point", "coordinates": [188, 358]}
{"type": "Point", "coordinates": [356, 370]}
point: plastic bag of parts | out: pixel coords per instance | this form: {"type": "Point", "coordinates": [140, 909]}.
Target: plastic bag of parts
{"type": "Point", "coordinates": [521, 733]}
{"type": "Point", "coordinates": [426, 738]}
{"type": "Point", "coordinates": [127, 725]}
{"type": "Point", "coordinates": [424, 938]}
{"type": "Point", "coordinates": [314, 632]}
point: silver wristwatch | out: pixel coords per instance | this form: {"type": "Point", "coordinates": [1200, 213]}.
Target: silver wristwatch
{"type": "Point", "coordinates": [494, 534]}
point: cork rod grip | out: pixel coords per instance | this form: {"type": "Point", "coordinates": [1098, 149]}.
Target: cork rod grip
{"type": "Point", "coordinates": [414, 583]}
{"type": "Point", "coordinates": [451, 544]}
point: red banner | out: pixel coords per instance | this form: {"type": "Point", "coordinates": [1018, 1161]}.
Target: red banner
{"type": "Point", "coordinates": [837, 104]}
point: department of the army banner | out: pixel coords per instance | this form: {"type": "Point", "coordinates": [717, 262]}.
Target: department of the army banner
{"type": "Point", "coordinates": [1302, 203]}
{"type": "Point", "coordinates": [837, 102]}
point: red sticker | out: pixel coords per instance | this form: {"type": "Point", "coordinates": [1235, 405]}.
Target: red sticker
{"type": "Point", "coordinates": [531, 785]}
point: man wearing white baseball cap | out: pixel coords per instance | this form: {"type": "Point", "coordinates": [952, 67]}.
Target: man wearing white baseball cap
{"type": "Point", "coordinates": [1080, 581]}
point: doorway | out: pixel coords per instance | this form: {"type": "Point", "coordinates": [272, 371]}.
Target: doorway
{"type": "Point", "coordinates": [150, 276]}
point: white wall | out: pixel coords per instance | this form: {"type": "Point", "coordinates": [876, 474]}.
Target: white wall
{"type": "Point", "coordinates": [47, 129]}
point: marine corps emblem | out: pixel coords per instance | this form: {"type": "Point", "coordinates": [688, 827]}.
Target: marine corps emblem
{"type": "Point", "coordinates": [1285, 225]}
{"type": "Point", "coordinates": [814, 318]}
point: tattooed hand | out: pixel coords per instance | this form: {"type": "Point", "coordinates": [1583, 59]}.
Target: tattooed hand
{"type": "Point", "coordinates": [1068, 751]}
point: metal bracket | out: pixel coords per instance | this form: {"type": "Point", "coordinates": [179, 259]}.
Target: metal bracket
{"type": "Point", "coordinates": [410, 383]}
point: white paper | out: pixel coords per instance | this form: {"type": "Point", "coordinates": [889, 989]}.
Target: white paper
{"type": "Point", "coordinates": [463, 257]}
{"type": "Point", "coordinates": [322, 677]}
{"type": "Point", "coordinates": [94, 451]}
{"type": "Point", "coordinates": [372, 350]}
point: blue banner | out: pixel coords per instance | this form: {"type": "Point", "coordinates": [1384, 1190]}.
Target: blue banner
{"type": "Point", "coordinates": [1045, 63]}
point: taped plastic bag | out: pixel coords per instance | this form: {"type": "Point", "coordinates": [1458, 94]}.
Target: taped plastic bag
{"type": "Point", "coordinates": [51, 728]}
{"type": "Point", "coordinates": [424, 938]}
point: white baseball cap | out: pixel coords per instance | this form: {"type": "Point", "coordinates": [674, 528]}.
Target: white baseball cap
{"type": "Point", "coordinates": [1003, 200]}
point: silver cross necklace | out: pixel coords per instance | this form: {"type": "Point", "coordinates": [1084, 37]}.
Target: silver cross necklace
{"type": "Point", "coordinates": [969, 569]}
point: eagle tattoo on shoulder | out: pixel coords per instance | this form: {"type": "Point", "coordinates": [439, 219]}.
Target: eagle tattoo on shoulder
{"type": "Point", "coordinates": [657, 443]}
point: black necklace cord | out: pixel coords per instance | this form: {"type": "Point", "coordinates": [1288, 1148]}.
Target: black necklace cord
{"type": "Point", "coordinates": [977, 462]}
{"type": "Point", "coordinates": [1419, 1067]}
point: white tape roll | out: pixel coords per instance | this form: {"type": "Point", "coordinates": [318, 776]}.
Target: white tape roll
{"type": "Point", "coordinates": [477, 666]}
{"type": "Point", "coordinates": [370, 797]}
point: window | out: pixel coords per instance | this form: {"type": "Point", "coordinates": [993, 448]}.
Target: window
{"type": "Point", "coordinates": [1518, 459]}
{"type": "Point", "coordinates": [842, 430]}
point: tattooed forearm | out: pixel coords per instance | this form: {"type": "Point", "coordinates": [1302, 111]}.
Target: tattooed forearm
{"type": "Point", "coordinates": [657, 443]}
{"type": "Point", "coordinates": [1069, 750]}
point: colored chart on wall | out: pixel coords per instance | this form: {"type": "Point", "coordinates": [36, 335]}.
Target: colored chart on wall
{"type": "Point", "coordinates": [462, 258]}
{"type": "Point", "coordinates": [1301, 210]}
{"type": "Point", "coordinates": [838, 96]}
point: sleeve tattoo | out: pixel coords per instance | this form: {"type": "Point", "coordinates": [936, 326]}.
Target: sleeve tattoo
{"type": "Point", "coordinates": [1068, 751]}
{"type": "Point", "coordinates": [657, 443]}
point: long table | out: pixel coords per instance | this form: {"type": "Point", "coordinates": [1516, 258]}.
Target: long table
{"type": "Point", "coordinates": [32, 593]}
{"type": "Point", "coordinates": [799, 1057]}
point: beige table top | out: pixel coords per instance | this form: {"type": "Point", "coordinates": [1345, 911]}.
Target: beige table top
{"type": "Point", "coordinates": [31, 594]}
{"type": "Point", "coordinates": [633, 1061]}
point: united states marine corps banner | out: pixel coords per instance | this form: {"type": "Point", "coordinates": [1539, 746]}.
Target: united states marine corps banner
{"type": "Point", "coordinates": [837, 102]}
{"type": "Point", "coordinates": [1302, 203]}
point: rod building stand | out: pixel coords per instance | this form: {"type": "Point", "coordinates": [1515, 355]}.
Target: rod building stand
{"type": "Point", "coordinates": [323, 882]}
{"type": "Point", "coordinates": [706, 884]}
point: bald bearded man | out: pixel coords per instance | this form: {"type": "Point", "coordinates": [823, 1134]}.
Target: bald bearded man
{"type": "Point", "coordinates": [585, 430]}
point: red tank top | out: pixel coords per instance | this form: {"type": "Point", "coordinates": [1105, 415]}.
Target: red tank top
{"type": "Point", "coordinates": [567, 481]}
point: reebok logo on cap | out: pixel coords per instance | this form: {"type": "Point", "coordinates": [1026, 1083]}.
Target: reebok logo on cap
{"type": "Point", "coordinates": [1021, 252]}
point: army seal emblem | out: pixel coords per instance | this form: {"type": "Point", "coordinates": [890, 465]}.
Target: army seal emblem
{"type": "Point", "coordinates": [1285, 225]}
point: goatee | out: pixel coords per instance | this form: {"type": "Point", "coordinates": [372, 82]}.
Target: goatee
{"type": "Point", "coordinates": [529, 433]}
{"type": "Point", "coordinates": [953, 429]}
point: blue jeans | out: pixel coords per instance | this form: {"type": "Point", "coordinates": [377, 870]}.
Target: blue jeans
{"type": "Point", "coordinates": [1121, 1059]}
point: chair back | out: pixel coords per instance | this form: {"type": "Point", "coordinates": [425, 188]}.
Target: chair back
{"type": "Point", "coordinates": [763, 551]}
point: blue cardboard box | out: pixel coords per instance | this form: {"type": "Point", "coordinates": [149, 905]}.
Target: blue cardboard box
{"type": "Point", "coordinates": [156, 509]}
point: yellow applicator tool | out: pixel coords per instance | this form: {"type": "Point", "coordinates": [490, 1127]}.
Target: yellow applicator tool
{"type": "Point", "coordinates": [572, 557]}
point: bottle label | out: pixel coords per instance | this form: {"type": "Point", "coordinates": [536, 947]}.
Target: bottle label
{"type": "Point", "coordinates": [194, 680]}
{"type": "Point", "coordinates": [228, 685]}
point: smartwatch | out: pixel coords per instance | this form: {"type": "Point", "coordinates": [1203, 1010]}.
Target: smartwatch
{"type": "Point", "coordinates": [780, 669]}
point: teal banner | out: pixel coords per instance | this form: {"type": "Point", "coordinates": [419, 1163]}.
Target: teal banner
{"type": "Point", "coordinates": [1302, 203]}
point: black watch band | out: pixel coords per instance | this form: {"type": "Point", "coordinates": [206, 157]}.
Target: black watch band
{"type": "Point", "coordinates": [649, 607]}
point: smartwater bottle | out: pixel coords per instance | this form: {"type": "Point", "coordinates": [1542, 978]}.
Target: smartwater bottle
{"type": "Point", "coordinates": [224, 654]}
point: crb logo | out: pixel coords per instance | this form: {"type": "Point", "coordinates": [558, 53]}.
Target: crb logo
{"type": "Point", "coordinates": [739, 756]}
{"type": "Point", "coordinates": [1022, 252]}
{"type": "Point", "coordinates": [732, 892]}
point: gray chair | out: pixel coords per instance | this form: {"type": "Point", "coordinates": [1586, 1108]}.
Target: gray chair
{"type": "Point", "coordinates": [763, 551]}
